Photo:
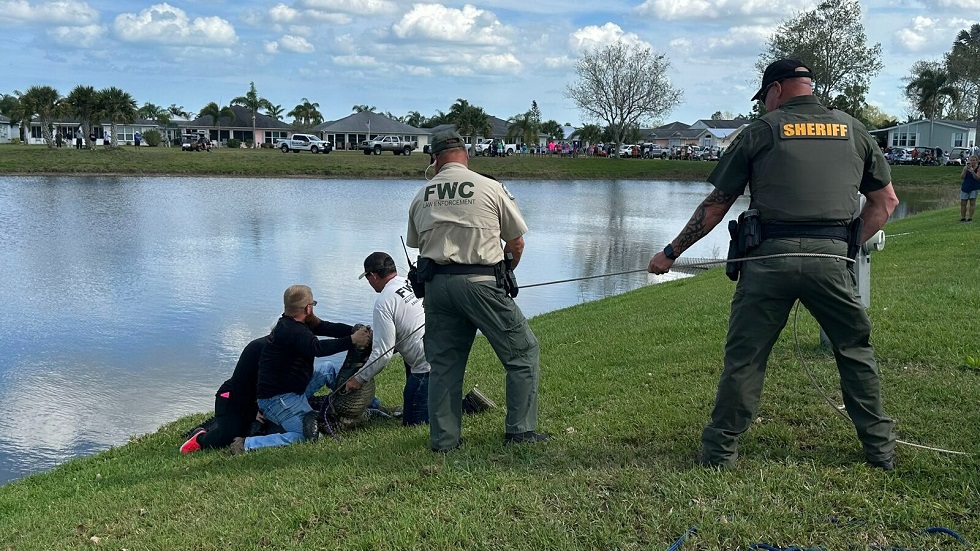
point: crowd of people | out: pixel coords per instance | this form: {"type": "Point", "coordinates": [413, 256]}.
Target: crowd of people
{"type": "Point", "coordinates": [470, 235]}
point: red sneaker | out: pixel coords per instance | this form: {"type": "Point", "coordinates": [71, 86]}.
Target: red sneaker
{"type": "Point", "coordinates": [191, 445]}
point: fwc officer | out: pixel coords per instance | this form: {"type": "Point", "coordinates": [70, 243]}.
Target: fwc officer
{"type": "Point", "coordinates": [804, 165]}
{"type": "Point", "coordinates": [457, 221]}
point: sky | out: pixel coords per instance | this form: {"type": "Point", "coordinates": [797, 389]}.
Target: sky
{"type": "Point", "coordinates": [401, 56]}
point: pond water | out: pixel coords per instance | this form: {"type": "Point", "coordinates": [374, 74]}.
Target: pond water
{"type": "Point", "coordinates": [126, 301]}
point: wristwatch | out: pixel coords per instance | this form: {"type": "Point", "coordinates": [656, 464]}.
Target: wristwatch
{"type": "Point", "coordinates": [669, 252]}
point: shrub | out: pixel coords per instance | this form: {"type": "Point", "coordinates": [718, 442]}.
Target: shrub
{"type": "Point", "coordinates": [234, 143]}
{"type": "Point", "coordinates": [15, 141]}
{"type": "Point", "coordinates": [152, 138]}
{"type": "Point", "coordinates": [248, 144]}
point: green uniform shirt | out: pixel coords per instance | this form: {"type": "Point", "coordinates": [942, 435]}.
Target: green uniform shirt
{"type": "Point", "coordinates": [803, 163]}
{"type": "Point", "coordinates": [461, 217]}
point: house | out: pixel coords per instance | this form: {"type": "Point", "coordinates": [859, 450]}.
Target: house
{"type": "Point", "coordinates": [8, 131]}
{"type": "Point", "coordinates": [929, 133]}
{"type": "Point", "coordinates": [267, 129]}
{"type": "Point", "coordinates": [350, 131]}
{"type": "Point", "coordinates": [720, 132]}
{"type": "Point", "coordinates": [677, 134]}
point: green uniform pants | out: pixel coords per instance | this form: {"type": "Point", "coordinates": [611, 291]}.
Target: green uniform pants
{"type": "Point", "coordinates": [764, 297]}
{"type": "Point", "coordinates": [455, 307]}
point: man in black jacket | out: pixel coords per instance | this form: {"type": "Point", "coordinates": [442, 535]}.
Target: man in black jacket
{"type": "Point", "coordinates": [287, 377]}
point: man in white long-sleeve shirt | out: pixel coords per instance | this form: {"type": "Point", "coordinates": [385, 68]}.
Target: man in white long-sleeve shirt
{"type": "Point", "coordinates": [398, 326]}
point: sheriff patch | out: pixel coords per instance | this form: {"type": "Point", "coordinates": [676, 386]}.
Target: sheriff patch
{"type": "Point", "coordinates": [819, 130]}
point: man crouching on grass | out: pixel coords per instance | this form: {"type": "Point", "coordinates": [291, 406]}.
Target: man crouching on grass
{"type": "Point", "coordinates": [287, 377]}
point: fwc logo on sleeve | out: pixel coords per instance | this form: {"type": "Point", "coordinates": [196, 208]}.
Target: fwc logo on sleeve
{"type": "Point", "coordinates": [820, 130]}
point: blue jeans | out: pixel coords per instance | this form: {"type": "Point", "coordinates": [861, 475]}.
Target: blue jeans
{"type": "Point", "coordinates": [287, 411]}
{"type": "Point", "coordinates": [416, 399]}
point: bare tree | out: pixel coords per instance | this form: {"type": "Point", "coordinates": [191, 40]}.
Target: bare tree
{"type": "Point", "coordinates": [624, 85]}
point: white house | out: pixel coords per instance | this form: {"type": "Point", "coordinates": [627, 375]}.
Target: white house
{"type": "Point", "coordinates": [929, 133]}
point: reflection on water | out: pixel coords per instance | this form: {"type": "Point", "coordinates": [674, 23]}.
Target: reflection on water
{"type": "Point", "coordinates": [126, 301]}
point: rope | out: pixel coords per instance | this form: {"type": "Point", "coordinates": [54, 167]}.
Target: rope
{"type": "Point", "coordinates": [677, 544]}
{"type": "Point", "coordinates": [830, 402]}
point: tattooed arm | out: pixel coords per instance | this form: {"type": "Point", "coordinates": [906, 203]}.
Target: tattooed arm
{"type": "Point", "coordinates": [709, 213]}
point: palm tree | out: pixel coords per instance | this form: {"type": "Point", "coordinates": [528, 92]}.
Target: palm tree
{"type": "Point", "coordinates": [117, 106]}
{"type": "Point", "coordinates": [414, 118]}
{"type": "Point", "coordinates": [306, 114]}
{"type": "Point", "coordinates": [83, 103]}
{"type": "Point", "coordinates": [216, 113]}
{"type": "Point", "coordinates": [275, 111]}
{"type": "Point", "coordinates": [928, 89]}
{"type": "Point", "coordinates": [11, 107]}
{"type": "Point", "coordinates": [43, 101]}
{"type": "Point", "coordinates": [523, 128]}
{"type": "Point", "coordinates": [363, 108]}
{"type": "Point", "coordinates": [470, 120]}
{"type": "Point", "coordinates": [253, 103]}
{"type": "Point", "coordinates": [588, 134]}
{"type": "Point", "coordinates": [178, 111]}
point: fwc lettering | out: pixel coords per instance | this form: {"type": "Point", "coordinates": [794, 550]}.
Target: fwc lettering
{"type": "Point", "coordinates": [448, 190]}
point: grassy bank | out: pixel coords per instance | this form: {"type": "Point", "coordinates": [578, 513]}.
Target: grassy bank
{"type": "Point", "coordinates": [150, 161]}
{"type": "Point", "coordinates": [626, 386]}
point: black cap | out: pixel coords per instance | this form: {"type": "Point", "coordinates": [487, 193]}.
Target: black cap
{"type": "Point", "coordinates": [377, 262]}
{"type": "Point", "coordinates": [446, 139]}
{"type": "Point", "coordinates": [781, 70]}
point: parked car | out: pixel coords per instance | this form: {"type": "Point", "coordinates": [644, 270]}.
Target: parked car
{"type": "Point", "coordinates": [304, 142]}
{"type": "Point", "coordinates": [654, 151]}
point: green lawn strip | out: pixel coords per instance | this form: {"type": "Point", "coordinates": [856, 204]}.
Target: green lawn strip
{"type": "Point", "coordinates": [157, 161]}
{"type": "Point", "coordinates": [627, 384]}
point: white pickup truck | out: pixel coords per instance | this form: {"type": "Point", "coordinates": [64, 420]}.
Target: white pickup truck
{"type": "Point", "coordinates": [394, 144]}
{"type": "Point", "coordinates": [486, 146]}
{"type": "Point", "coordinates": [304, 142]}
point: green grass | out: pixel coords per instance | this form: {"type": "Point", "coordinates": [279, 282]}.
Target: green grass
{"type": "Point", "coordinates": [148, 161]}
{"type": "Point", "coordinates": [627, 384]}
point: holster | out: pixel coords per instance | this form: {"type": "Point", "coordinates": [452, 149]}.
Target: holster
{"type": "Point", "coordinates": [854, 231]}
{"type": "Point", "coordinates": [506, 277]}
{"type": "Point", "coordinates": [746, 235]}
{"type": "Point", "coordinates": [419, 273]}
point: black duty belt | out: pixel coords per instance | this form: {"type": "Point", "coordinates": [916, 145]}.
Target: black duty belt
{"type": "Point", "coordinates": [771, 230]}
{"type": "Point", "coordinates": [480, 269]}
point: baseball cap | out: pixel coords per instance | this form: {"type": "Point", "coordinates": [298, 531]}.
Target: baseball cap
{"type": "Point", "coordinates": [446, 139]}
{"type": "Point", "coordinates": [781, 69]}
{"type": "Point", "coordinates": [377, 262]}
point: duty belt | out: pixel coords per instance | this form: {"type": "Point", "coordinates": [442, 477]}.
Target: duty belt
{"type": "Point", "coordinates": [480, 269]}
{"type": "Point", "coordinates": [772, 230]}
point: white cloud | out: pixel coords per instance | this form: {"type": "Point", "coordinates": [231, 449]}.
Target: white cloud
{"type": "Point", "coordinates": [499, 64]}
{"type": "Point", "coordinates": [353, 7]}
{"type": "Point", "coordinates": [62, 12]}
{"type": "Point", "coordinates": [721, 9]}
{"type": "Point", "coordinates": [281, 13]}
{"type": "Point", "coordinates": [927, 34]}
{"type": "Point", "coordinates": [87, 36]}
{"type": "Point", "coordinates": [469, 25]}
{"type": "Point", "coordinates": [362, 61]}
{"type": "Point", "coordinates": [271, 47]}
{"type": "Point", "coordinates": [959, 4]}
{"type": "Point", "coordinates": [591, 37]}
{"type": "Point", "coordinates": [294, 43]}
{"type": "Point", "coordinates": [167, 24]}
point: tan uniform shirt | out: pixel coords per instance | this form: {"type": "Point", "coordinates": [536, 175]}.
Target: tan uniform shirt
{"type": "Point", "coordinates": [461, 217]}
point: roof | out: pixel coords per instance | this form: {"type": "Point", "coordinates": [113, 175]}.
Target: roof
{"type": "Point", "coordinates": [964, 125]}
{"type": "Point", "coordinates": [243, 119]}
{"type": "Point", "coordinates": [727, 124]}
{"type": "Point", "coordinates": [365, 121]}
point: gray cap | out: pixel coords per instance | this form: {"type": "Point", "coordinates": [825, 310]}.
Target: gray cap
{"type": "Point", "coordinates": [446, 139]}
